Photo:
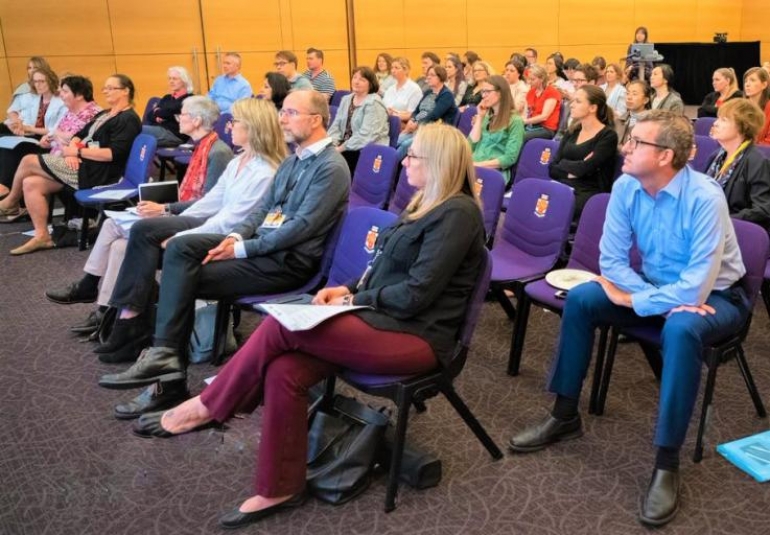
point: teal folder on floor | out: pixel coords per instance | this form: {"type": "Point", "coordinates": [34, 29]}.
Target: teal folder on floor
{"type": "Point", "coordinates": [750, 454]}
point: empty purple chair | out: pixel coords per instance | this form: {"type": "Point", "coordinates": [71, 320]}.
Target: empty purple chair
{"type": "Point", "coordinates": [465, 122]}
{"type": "Point", "coordinates": [374, 176]}
{"type": "Point", "coordinates": [337, 97]}
{"type": "Point", "coordinates": [403, 194]}
{"type": "Point", "coordinates": [355, 247]}
{"type": "Point", "coordinates": [532, 238]}
{"type": "Point", "coordinates": [404, 390]}
{"type": "Point", "coordinates": [584, 255]}
{"type": "Point", "coordinates": [754, 244]}
{"type": "Point", "coordinates": [533, 162]}
{"type": "Point", "coordinates": [705, 148]}
{"type": "Point", "coordinates": [394, 129]}
{"type": "Point", "coordinates": [490, 186]}
{"type": "Point", "coordinates": [702, 125]}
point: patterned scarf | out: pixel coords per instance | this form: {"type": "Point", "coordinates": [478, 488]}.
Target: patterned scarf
{"type": "Point", "coordinates": [195, 179]}
{"type": "Point", "coordinates": [722, 168]}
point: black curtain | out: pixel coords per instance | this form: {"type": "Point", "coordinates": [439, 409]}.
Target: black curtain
{"type": "Point", "coordinates": [694, 63]}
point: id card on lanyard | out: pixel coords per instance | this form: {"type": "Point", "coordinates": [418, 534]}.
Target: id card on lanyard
{"type": "Point", "coordinates": [275, 217]}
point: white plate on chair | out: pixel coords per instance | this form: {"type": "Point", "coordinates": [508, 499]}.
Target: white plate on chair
{"type": "Point", "coordinates": [566, 279]}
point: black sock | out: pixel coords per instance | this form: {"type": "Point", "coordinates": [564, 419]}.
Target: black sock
{"type": "Point", "coordinates": [89, 283]}
{"type": "Point", "coordinates": [565, 408]}
{"type": "Point", "coordinates": [103, 308]}
{"type": "Point", "coordinates": [667, 459]}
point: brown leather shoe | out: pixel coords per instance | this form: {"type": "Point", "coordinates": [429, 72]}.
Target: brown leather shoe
{"type": "Point", "coordinates": [35, 244]}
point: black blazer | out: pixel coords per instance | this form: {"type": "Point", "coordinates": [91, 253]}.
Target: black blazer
{"type": "Point", "coordinates": [748, 190]}
{"type": "Point", "coordinates": [709, 106]}
{"type": "Point", "coordinates": [424, 273]}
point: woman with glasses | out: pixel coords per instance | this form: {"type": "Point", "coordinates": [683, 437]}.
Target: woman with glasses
{"type": "Point", "coordinates": [481, 70]}
{"type": "Point", "coordinates": [437, 104]}
{"type": "Point", "coordinates": [739, 167]}
{"type": "Point", "coordinates": [418, 286]}
{"type": "Point", "coordinates": [36, 113]}
{"type": "Point", "coordinates": [361, 119]}
{"type": "Point", "coordinates": [756, 86]}
{"type": "Point", "coordinates": [165, 125]}
{"type": "Point", "coordinates": [35, 63]}
{"type": "Point", "coordinates": [587, 154]}
{"type": "Point", "coordinates": [498, 131]}
{"type": "Point", "coordinates": [543, 106]}
{"type": "Point", "coordinates": [95, 156]}
{"type": "Point", "coordinates": [638, 100]}
{"type": "Point", "coordinates": [77, 95]}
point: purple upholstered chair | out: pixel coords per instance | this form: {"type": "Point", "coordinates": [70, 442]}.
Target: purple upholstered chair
{"type": "Point", "coordinates": [465, 122]}
{"type": "Point", "coordinates": [147, 115]}
{"type": "Point", "coordinates": [355, 247]}
{"type": "Point", "coordinates": [491, 186]}
{"type": "Point", "coordinates": [754, 244]}
{"type": "Point", "coordinates": [585, 256]}
{"type": "Point", "coordinates": [764, 149]}
{"type": "Point", "coordinates": [394, 129]}
{"type": "Point", "coordinates": [532, 237]}
{"type": "Point", "coordinates": [533, 162]}
{"type": "Point", "coordinates": [332, 113]}
{"type": "Point", "coordinates": [404, 390]}
{"type": "Point", "coordinates": [337, 97]}
{"type": "Point", "coordinates": [705, 147]}
{"type": "Point", "coordinates": [374, 176]}
{"type": "Point", "coordinates": [702, 125]}
{"type": "Point", "coordinates": [224, 129]}
{"type": "Point", "coordinates": [403, 194]}
{"type": "Point", "coordinates": [766, 288]}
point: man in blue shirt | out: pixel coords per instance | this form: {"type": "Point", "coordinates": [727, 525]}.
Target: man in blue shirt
{"type": "Point", "coordinates": [690, 262]}
{"type": "Point", "coordinates": [231, 85]}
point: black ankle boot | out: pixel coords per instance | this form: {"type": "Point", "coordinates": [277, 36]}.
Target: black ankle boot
{"type": "Point", "coordinates": [125, 332]}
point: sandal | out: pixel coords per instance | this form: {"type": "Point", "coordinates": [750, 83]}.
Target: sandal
{"type": "Point", "coordinates": [12, 215]}
{"type": "Point", "coordinates": [35, 244]}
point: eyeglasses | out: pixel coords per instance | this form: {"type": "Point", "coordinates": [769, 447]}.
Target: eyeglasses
{"type": "Point", "coordinates": [288, 112]}
{"type": "Point", "coordinates": [579, 81]}
{"type": "Point", "coordinates": [485, 92]}
{"type": "Point", "coordinates": [38, 81]}
{"type": "Point", "coordinates": [179, 115]}
{"type": "Point", "coordinates": [280, 63]}
{"type": "Point", "coordinates": [111, 88]}
{"type": "Point", "coordinates": [634, 142]}
{"type": "Point", "coordinates": [479, 70]}
{"type": "Point", "coordinates": [412, 156]}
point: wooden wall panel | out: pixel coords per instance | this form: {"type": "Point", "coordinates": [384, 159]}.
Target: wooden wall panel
{"type": "Point", "coordinates": [715, 16]}
{"type": "Point", "coordinates": [47, 27]}
{"type": "Point", "coordinates": [593, 22]}
{"type": "Point", "coordinates": [666, 20]}
{"type": "Point", "coordinates": [242, 25]}
{"type": "Point", "coordinates": [434, 24]}
{"type": "Point", "coordinates": [6, 89]}
{"type": "Point", "coordinates": [320, 24]}
{"type": "Point", "coordinates": [379, 26]}
{"type": "Point", "coordinates": [153, 27]}
{"type": "Point", "coordinates": [513, 24]}
{"type": "Point", "coordinates": [754, 24]}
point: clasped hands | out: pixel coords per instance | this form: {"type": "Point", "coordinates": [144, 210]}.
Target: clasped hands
{"type": "Point", "coordinates": [621, 298]}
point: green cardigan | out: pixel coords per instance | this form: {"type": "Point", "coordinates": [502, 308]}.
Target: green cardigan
{"type": "Point", "coordinates": [503, 145]}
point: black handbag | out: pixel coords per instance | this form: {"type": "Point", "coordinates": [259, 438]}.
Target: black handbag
{"type": "Point", "coordinates": [343, 445]}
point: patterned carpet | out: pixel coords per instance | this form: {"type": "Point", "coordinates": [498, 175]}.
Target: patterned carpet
{"type": "Point", "coordinates": [68, 467]}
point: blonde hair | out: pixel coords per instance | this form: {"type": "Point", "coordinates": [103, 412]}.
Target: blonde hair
{"type": "Point", "coordinates": [403, 62]}
{"type": "Point", "coordinates": [746, 115]}
{"type": "Point", "coordinates": [446, 156]}
{"type": "Point", "coordinates": [484, 65]}
{"type": "Point", "coordinates": [261, 121]}
{"type": "Point", "coordinates": [729, 74]}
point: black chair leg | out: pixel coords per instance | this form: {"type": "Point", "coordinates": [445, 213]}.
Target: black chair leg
{"type": "Point", "coordinates": [471, 421]}
{"type": "Point", "coordinates": [419, 405]}
{"type": "Point", "coordinates": [519, 333]}
{"type": "Point", "coordinates": [766, 294]}
{"type": "Point", "coordinates": [598, 368]}
{"type": "Point", "coordinates": [604, 385]}
{"type": "Point", "coordinates": [750, 385]}
{"type": "Point", "coordinates": [705, 413]}
{"type": "Point", "coordinates": [402, 417]}
{"type": "Point", "coordinates": [652, 354]}
{"type": "Point", "coordinates": [504, 301]}
{"type": "Point", "coordinates": [220, 332]}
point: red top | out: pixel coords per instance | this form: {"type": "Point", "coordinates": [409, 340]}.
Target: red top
{"type": "Point", "coordinates": [764, 135]}
{"type": "Point", "coordinates": [535, 106]}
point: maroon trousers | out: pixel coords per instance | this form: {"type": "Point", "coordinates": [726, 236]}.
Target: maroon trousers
{"type": "Point", "coordinates": [279, 366]}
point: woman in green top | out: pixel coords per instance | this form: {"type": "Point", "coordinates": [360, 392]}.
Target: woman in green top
{"type": "Point", "coordinates": [498, 131]}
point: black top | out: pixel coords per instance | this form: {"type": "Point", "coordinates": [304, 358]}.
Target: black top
{"type": "Point", "coordinates": [424, 273]}
{"type": "Point", "coordinates": [594, 173]}
{"type": "Point", "coordinates": [748, 189]}
{"type": "Point", "coordinates": [709, 107]}
{"type": "Point", "coordinates": [165, 110]}
{"type": "Point", "coordinates": [118, 134]}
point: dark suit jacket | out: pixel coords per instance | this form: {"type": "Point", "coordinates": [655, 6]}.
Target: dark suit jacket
{"type": "Point", "coordinates": [748, 190]}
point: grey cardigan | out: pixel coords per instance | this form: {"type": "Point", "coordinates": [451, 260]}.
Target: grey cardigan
{"type": "Point", "coordinates": [369, 123]}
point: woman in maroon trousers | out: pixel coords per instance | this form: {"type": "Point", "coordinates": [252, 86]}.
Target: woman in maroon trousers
{"type": "Point", "coordinates": [418, 285]}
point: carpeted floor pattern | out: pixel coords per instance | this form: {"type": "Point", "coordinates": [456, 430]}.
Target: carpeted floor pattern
{"type": "Point", "coordinates": [68, 467]}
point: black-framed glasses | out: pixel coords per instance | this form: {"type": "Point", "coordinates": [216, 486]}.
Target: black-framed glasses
{"type": "Point", "coordinates": [289, 112]}
{"type": "Point", "coordinates": [111, 88]}
{"type": "Point", "coordinates": [634, 142]}
{"type": "Point", "coordinates": [412, 156]}
{"type": "Point", "coordinates": [485, 92]}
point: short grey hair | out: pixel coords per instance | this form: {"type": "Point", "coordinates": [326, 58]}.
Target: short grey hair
{"type": "Point", "coordinates": [203, 108]}
{"type": "Point", "coordinates": [184, 75]}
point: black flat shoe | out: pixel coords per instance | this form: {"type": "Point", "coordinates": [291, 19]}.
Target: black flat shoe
{"type": "Point", "coordinates": [128, 352]}
{"type": "Point", "coordinates": [661, 502]}
{"type": "Point", "coordinates": [149, 426]}
{"type": "Point", "coordinates": [157, 397]}
{"type": "Point", "coordinates": [236, 519]}
{"type": "Point", "coordinates": [71, 294]}
{"type": "Point", "coordinates": [545, 433]}
{"type": "Point", "coordinates": [90, 324]}
{"type": "Point", "coordinates": [124, 333]}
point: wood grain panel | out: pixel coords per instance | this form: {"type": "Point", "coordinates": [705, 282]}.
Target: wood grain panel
{"type": "Point", "coordinates": [433, 24]}
{"type": "Point", "coordinates": [319, 24]}
{"type": "Point", "coordinates": [379, 25]}
{"type": "Point", "coordinates": [6, 89]}
{"type": "Point", "coordinates": [593, 22]}
{"type": "Point", "coordinates": [666, 20]}
{"type": "Point", "coordinates": [242, 25]}
{"type": "Point", "coordinates": [152, 27]}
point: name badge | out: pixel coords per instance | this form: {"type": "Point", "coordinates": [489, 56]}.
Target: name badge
{"type": "Point", "coordinates": [273, 219]}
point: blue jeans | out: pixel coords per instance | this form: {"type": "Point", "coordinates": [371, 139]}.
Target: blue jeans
{"type": "Point", "coordinates": [683, 336]}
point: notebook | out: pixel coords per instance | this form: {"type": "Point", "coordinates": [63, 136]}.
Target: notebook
{"type": "Point", "coordinates": [159, 192]}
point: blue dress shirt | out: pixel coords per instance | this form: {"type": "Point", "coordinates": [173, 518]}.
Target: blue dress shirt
{"type": "Point", "coordinates": [227, 90]}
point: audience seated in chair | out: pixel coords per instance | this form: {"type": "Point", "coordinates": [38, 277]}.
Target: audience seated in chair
{"type": "Point", "coordinates": [756, 86]}
{"type": "Point", "coordinates": [690, 267]}
{"type": "Point", "coordinates": [455, 78]}
{"type": "Point", "coordinates": [275, 89]}
{"type": "Point", "coordinates": [95, 156]}
{"type": "Point", "coordinates": [514, 74]}
{"type": "Point", "coordinates": [402, 97]}
{"type": "Point", "coordinates": [77, 94]}
{"type": "Point", "coordinates": [725, 84]}
{"type": "Point", "coordinates": [33, 64]}
{"type": "Point", "coordinates": [221, 208]}
{"type": "Point", "coordinates": [543, 106]}
{"type": "Point", "coordinates": [554, 68]}
{"type": "Point", "coordinates": [286, 64]}
{"type": "Point", "coordinates": [586, 157]}
{"type": "Point", "coordinates": [319, 77]}
{"type": "Point", "coordinates": [427, 60]}
{"type": "Point", "coordinates": [638, 101]}
{"type": "Point", "coordinates": [739, 167]}
{"type": "Point", "coordinates": [498, 131]}
{"type": "Point", "coordinates": [481, 70]}
{"type": "Point", "coordinates": [614, 88]}
{"type": "Point", "coordinates": [665, 97]}
{"type": "Point", "coordinates": [230, 85]}
{"type": "Point", "coordinates": [381, 68]}
{"type": "Point", "coordinates": [420, 286]}
{"type": "Point", "coordinates": [361, 119]}
{"type": "Point", "coordinates": [165, 114]}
